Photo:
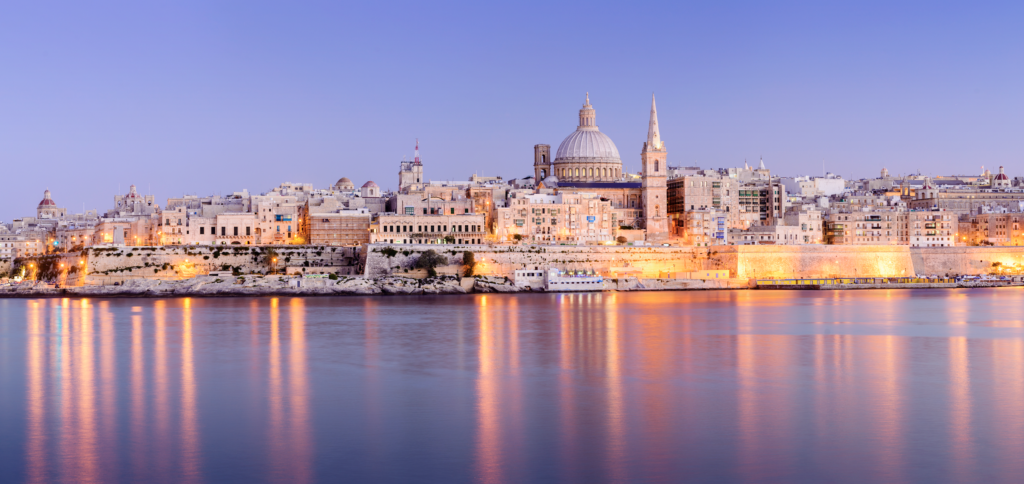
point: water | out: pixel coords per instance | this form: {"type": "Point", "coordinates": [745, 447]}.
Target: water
{"type": "Point", "coordinates": [741, 386]}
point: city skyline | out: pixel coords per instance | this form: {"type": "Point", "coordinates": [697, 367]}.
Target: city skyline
{"type": "Point", "coordinates": [207, 100]}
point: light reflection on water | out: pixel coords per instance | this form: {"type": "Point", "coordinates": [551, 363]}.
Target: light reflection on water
{"type": "Point", "coordinates": [856, 386]}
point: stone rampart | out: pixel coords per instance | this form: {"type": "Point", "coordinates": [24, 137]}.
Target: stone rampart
{"type": "Point", "coordinates": [791, 261]}
{"type": "Point", "coordinates": [177, 262]}
{"type": "Point", "coordinates": [939, 261]}
{"type": "Point", "coordinates": [504, 260]}
{"type": "Point", "coordinates": [743, 262]}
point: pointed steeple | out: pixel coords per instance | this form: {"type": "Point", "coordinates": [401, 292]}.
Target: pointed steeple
{"type": "Point", "coordinates": [653, 135]}
{"type": "Point", "coordinates": [761, 167]}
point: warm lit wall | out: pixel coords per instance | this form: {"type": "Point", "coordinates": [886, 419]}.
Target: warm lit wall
{"type": "Point", "coordinates": [766, 261]}
{"type": "Point", "coordinates": [939, 261]}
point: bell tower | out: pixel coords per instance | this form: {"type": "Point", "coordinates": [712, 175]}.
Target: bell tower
{"type": "Point", "coordinates": [654, 174]}
{"type": "Point", "coordinates": [541, 162]}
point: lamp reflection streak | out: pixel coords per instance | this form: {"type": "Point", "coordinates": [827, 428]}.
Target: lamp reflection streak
{"type": "Point", "coordinates": [63, 388]}
{"type": "Point", "coordinates": [161, 381]}
{"type": "Point", "coordinates": [108, 383]}
{"type": "Point", "coordinates": [488, 439]}
{"type": "Point", "coordinates": [615, 445]}
{"type": "Point", "coordinates": [301, 461]}
{"type": "Point", "coordinates": [85, 435]}
{"type": "Point", "coordinates": [278, 446]}
{"type": "Point", "coordinates": [138, 400]}
{"type": "Point", "coordinates": [35, 448]}
{"type": "Point", "coordinates": [189, 427]}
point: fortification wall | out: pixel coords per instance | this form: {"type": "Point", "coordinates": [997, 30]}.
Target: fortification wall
{"type": "Point", "coordinates": [939, 261]}
{"type": "Point", "coordinates": [743, 262]}
{"type": "Point", "coordinates": [644, 262]}
{"type": "Point", "coordinates": [176, 262]}
{"type": "Point", "coordinates": [789, 261]}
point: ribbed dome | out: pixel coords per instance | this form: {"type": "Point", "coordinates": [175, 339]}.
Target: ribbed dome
{"type": "Point", "coordinates": [370, 184]}
{"type": "Point", "coordinates": [587, 145]}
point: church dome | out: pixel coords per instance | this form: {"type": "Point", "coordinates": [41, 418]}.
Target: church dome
{"type": "Point", "coordinates": [1002, 175]}
{"type": "Point", "coordinates": [370, 184]}
{"type": "Point", "coordinates": [47, 201]}
{"type": "Point", "coordinates": [345, 184]}
{"type": "Point", "coordinates": [587, 144]}
{"type": "Point", "coordinates": [584, 146]}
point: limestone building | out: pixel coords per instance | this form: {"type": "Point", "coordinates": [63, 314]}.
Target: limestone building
{"type": "Point", "coordinates": [563, 218]}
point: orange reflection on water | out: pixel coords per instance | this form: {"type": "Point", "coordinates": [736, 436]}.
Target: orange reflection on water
{"type": "Point", "coordinates": [488, 439]}
{"type": "Point", "coordinates": [275, 395]}
{"type": "Point", "coordinates": [190, 451]}
{"type": "Point", "coordinates": [615, 445]}
{"type": "Point", "coordinates": [159, 458]}
{"type": "Point", "coordinates": [138, 400]}
{"type": "Point", "coordinates": [302, 459]}
{"type": "Point", "coordinates": [85, 437]}
{"type": "Point", "coordinates": [35, 448]}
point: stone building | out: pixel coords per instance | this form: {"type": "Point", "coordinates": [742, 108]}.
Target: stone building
{"type": "Point", "coordinates": [999, 228]}
{"type": "Point", "coordinates": [342, 228]}
{"type": "Point", "coordinates": [894, 225]}
{"type": "Point", "coordinates": [563, 218]}
{"type": "Point", "coordinates": [428, 229]}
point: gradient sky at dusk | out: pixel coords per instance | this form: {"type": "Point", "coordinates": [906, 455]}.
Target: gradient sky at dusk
{"type": "Point", "coordinates": [212, 97]}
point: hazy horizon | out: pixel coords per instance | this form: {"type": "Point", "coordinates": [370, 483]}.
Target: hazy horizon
{"type": "Point", "coordinates": [202, 98]}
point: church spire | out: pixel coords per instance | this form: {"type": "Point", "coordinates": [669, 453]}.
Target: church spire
{"type": "Point", "coordinates": [653, 135]}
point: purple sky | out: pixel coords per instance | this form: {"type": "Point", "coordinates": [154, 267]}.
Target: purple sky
{"type": "Point", "coordinates": [211, 97]}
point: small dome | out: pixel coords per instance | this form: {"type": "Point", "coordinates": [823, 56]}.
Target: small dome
{"type": "Point", "coordinates": [550, 182]}
{"type": "Point", "coordinates": [1002, 175]}
{"type": "Point", "coordinates": [344, 183]}
{"type": "Point", "coordinates": [370, 184]}
{"type": "Point", "coordinates": [47, 201]}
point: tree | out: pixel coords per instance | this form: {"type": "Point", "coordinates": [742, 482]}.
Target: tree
{"type": "Point", "coordinates": [518, 237]}
{"type": "Point", "coordinates": [469, 260]}
{"type": "Point", "coordinates": [270, 259]}
{"type": "Point", "coordinates": [429, 260]}
{"type": "Point", "coordinates": [621, 240]}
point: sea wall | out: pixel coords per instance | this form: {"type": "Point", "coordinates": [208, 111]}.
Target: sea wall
{"type": "Point", "coordinates": [790, 261]}
{"type": "Point", "coordinates": [939, 261]}
{"type": "Point", "coordinates": [106, 265]}
{"type": "Point", "coordinates": [503, 261]}
{"type": "Point", "coordinates": [742, 262]}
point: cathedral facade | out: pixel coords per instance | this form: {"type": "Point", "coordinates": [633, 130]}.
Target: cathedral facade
{"type": "Point", "coordinates": [588, 161]}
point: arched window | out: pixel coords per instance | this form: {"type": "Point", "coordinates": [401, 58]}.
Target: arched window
{"type": "Point", "coordinates": [543, 174]}
{"type": "Point", "coordinates": [577, 172]}
{"type": "Point", "coordinates": [655, 165]}
{"type": "Point", "coordinates": [591, 172]}
{"type": "Point", "coordinates": [543, 158]}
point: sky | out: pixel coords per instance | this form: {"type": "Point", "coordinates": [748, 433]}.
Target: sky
{"type": "Point", "coordinates": [200, 97]}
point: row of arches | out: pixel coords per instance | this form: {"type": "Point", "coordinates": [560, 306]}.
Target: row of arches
{"type": "Point", "coordinates": [588, 172]}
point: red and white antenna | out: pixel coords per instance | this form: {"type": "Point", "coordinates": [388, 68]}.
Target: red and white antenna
{"type": "Point", "coordinates": [416, 158]}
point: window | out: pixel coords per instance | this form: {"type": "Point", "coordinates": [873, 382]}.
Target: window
{"type": "Point", "coordinates": [223, 231]}
{"type": "Point", "coordinates": [202, 230]}
{"type": "Point", "coordinates": [247, 229]}
{"type": "Point", "coordinates": [235, 231]}
{"type": "Point", "coordinates": [655, 165]}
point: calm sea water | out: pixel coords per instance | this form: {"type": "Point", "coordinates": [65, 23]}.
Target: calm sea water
{"type": "Point", "coordinates": [741, 386]}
